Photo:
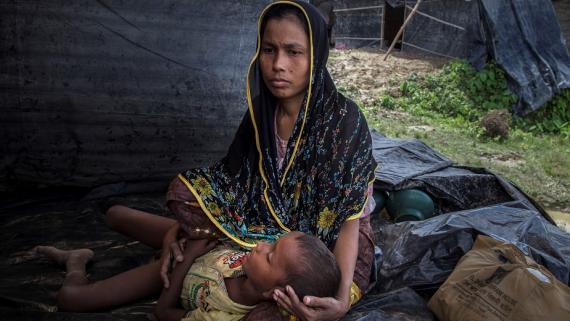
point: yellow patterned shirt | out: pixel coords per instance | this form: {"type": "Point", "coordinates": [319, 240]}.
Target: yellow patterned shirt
{"type": "Point", "coordinates": [204, 292]}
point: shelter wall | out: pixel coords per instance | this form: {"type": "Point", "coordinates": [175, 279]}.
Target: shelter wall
{"type": "Point", "coordinates": [358, 22]}
{"type": "Point", "coordinates": [441, 27]}
{"type": "Point", "coordinates": [98, 91]}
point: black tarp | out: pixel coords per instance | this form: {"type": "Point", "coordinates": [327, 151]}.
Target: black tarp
{"type": "Point", "coordinates": [358, 22]}
{"type": "Point", "coordinates": [403, 304]}
{"type": "Point", "coordinates": [404, 164]}
{"type": "Point", "coordinates": [129, 92]}
{"type": "Point", "coordinates": [469, 201]}
{"type": "Point", "coordinates": [413, 258]}
{"type": "Point", "coordinates": [421, 255]}
{"type": "Point", "coordinates": [450, 35]}
{"type": "Point", "coordinates": [97, 92]}
{"type": "Point", "coordinates": [101, 92]}
{"type": "Point", "coordinates": [522, 36]}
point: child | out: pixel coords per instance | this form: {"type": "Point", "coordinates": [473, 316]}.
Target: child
{"type": "Point", "coordinates": [225, 284]}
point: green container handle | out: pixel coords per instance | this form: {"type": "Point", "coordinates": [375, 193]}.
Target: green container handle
{"type": "Point", "coordinates": [409, 205]}
{"type": "Point", "coordinates": [380, 200]}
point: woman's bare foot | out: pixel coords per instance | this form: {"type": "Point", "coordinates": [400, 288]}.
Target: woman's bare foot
{"type": "Point", "coordinates": [74, 260]}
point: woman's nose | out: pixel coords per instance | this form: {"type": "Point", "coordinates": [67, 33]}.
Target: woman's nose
{"type": "Point", "coordinates": [279, 61]}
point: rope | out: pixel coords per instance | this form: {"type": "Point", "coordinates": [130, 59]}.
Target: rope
{"type": "Point", "coordinates": [359, 8]}
{"type": "Point", "coordinates": [437, 19]}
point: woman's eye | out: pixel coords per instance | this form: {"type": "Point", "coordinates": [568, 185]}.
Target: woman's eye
{"type": "Point", "coordinates": [294, 53]}
{"type": "Point", "coordinates": [267, 50]}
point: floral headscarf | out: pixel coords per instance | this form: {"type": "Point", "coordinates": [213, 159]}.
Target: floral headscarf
{"type": "Point", "coordinates": [327, 167]}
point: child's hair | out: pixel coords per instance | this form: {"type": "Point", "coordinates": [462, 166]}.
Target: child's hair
{"type": "Point", "coordinates": [316, 272]}
{"type": "Point", "coordinates": [280, 11]}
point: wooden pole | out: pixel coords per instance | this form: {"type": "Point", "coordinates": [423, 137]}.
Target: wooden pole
{"type": "Point", "coordinates": [402, 29]}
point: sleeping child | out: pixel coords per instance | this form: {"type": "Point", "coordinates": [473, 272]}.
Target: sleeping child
{"type": "Point", "coordinates": [218, 282]}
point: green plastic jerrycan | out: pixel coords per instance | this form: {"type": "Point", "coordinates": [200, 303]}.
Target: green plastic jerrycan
{"type": "Point", "coordinates": [380, 200]}
{"type": "Point", "coordinates": [409, 205]}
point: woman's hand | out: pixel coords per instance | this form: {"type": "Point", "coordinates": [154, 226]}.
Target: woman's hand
{"type": "Point", "coordinates": [172, 249]}
{"type": "Point", "coordinates": [196, 248]}
{"type": "Point", "coordinates": [312, 308]}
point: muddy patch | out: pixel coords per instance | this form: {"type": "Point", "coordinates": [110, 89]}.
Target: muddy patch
{"type": "Point", "coordinates": [365, 75]}
{"type": "Point", "coordinates": [422, 128]}
{"type": "Point", "coordinates": [508, 159]}
{"type": "Point", "coordinates": [561, 219]}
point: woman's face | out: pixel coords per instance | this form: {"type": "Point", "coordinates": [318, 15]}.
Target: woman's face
{"type": "Point", "coordinates": [285, 58]}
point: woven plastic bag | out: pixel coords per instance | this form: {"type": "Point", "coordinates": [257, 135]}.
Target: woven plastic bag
{"type": "Point", "coordinates": [495, 281]}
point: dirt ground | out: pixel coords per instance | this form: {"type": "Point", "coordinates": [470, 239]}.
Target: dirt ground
{"type": "Point", "coordinates": [365, 74]}
{"type": "Point", "coordinates": [371, 75]}
{"type": "Point", "coordinates": [366, 71]}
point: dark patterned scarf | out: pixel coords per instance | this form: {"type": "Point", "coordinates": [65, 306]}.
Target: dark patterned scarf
{"type": "Point", "coordinates": [327, 167]}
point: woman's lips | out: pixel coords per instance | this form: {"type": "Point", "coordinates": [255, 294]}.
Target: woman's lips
{"type": "Point", "coordinates": [279, 83]}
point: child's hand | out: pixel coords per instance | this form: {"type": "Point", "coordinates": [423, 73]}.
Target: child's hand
{"type": "Point", "coordinates": [196, 248]}
{"type": "Point", "coordinates": [171, 253]}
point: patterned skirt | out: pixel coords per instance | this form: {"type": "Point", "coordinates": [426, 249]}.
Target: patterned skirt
{"type": "Point", "coordinates": [191, 218]}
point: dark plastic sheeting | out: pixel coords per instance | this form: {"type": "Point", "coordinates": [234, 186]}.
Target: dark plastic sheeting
{"type": "Point", "coordinates": [400, 159]}
{"type": "Point", "coordinates": [524, 37]}
{"type": "Point", "coordinates": [399, 305]}
{"type": "Point", "coordinates": [130, 92]}
{"type": "Point", "coordinates": [98, 92]}
{"type": "Point", "coordinates": [406, 164]}
{"type": "Point", "coordinates": [413, 258]}
{"type": "Point", "coordinates": [440, 38]}
{"type": "Point", "coordinates": [60, 218]}
{"type": "Point", "coordinates": [421, 255]}
{"type": "Point", "coordinates": [366, 23]}
{"type": "Point", "coordinates": [470, 202]}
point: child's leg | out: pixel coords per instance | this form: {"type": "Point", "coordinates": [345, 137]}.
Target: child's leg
{"type": "Point", "coordinates": [78, 295]}
{"type": "Point", "coordinates": [74, 262]}
{"type": "Point", "coordinates": [142, 226]}
{"type": "Point", "coordinates": [150, 229]}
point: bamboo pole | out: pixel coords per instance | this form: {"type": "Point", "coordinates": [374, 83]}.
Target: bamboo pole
{"type": "Point", "coordinates": [402, 29]}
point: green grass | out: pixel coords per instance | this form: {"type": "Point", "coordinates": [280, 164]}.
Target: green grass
{"type": "Point", "coordinates": [540, 166]}
{"type": "Point", "coordinates": [538, 161]}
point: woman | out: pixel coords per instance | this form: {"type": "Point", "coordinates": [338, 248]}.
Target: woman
{"type": "Point", "coordinates": [301, 160]}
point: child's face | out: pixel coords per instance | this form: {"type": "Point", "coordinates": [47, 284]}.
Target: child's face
{"type": "Point", "coordinates": [266, 265]}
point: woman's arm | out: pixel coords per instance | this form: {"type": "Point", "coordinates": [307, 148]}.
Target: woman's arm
{"type": "Point", "coordinates": [167, 308]}
{"type": "Point", "coordinates": [314, 308]}
{"type": "Point", "coordinates": [346, 253]}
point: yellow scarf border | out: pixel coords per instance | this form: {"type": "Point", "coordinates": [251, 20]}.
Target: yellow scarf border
{"type": "Point", "coordinates": [252, 115]}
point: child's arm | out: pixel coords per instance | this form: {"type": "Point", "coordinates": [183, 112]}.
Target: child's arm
{"type": "Point", "coordinates": [168, 308]}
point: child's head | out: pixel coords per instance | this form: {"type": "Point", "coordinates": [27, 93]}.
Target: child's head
{"type": "Point", "coordinates": [296, 259]}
